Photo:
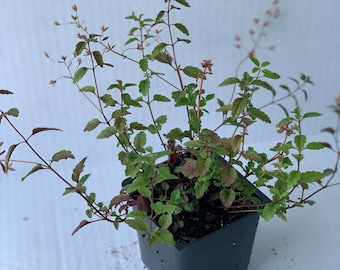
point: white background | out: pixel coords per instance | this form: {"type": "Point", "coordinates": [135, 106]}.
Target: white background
{"type": "Point", "coordinates": [36, 222]}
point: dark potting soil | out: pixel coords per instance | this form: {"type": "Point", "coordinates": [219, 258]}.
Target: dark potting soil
{"type": "Point", "coordinates": [211, 216]}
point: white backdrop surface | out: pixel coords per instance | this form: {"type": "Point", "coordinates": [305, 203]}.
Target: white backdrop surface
{"type": "Point", "coordinates": [36, 223]}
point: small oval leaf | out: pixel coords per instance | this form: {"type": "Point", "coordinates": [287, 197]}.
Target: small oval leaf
{"type": "Point", "coordinates": [107, 132]}
{"type": "Point", "coordinates": [13, 112]}
{"type": "Point", "coordinates": [192, 72]}
{"type": "Point", "coordinates": [99, 58]}
{"type": "Point", "coordinates": [91, 125]}
{"type": "Point", "coordinates": [63, 154]}
{"type": "Point", "coordinates": [182, 28]}
{"type": "Point", "coordinates": [79, 74]}
{"type": "Point", "coordinates": [80, 47]}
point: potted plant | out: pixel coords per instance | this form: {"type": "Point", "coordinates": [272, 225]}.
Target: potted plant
{"type": "Point", "coordinates": [189, 186]}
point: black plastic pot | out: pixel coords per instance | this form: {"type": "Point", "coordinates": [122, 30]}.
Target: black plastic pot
{"type": "Point", "coordinates": [228, 248]}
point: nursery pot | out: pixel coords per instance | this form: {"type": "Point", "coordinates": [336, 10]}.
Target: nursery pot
{"type": "Point", "coordinates": [228, 248]}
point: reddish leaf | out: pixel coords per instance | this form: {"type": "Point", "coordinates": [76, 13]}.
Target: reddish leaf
{"type": "Point", "coordinates": [41, 129]}
{"type": "Point", "coordinates": [142, 203]}
{"type": "Point", "coordinates": [8, 156]}
{"type": "Point", "coordinates": [227, 197]}
{"type": "Point", "coordinates": [5, 92]}
{"type": "Point", "coordinates": [229, 176]}
{"type": "Point", "coordinates": [119, 199]}
{"type": "Point", "coordinates": [78, 169]}
{"type": "Point", "coordinates": [81, 225]}
{"type": "Point", "coordinates": [36, 168]}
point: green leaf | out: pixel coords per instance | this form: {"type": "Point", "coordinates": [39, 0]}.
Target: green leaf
{"type": "Point", "coordinates": [201, 187]}
{"type": "Point", "coordinates": [129, 101]}
{"type": "Point", "coordinates": [63, 154]}
{"type": "Point", "coordinates": [285, 121]}
{"type": "Point", "coordinates": [253, 155]}
{"type": "Point", "coordinates": [91, 125]}
{"type": "Point", "coordinates": [159, 208]}
{"type": "Point", "coordinates": [99, 58]}
{"type": "Point", "coordinates": [130, 41]}
{"type": "Point", "coordinates": [137, 214]}
{"type": "Point", "coordinates": [176, 134]}
{"type": "Point", "coordinates": [33, 170]}
{"type": "Point", "coordinates": [165, 220]}
{"type": "Point", "coordinates": [311, 177]}
{"type": "Point", "coordinates": [203, 165]}
{"type": "Point", "coordinates": [228, 176]}
{"type": "Point", "coordinates": [269, 211]}
{"type": "Point", "coordinates": [154, 129]}
{"type": "Point", "coordinates": [69, 190]}
{"type": "Point", "coordinates": [144, 87]}
{"type": "Point", "coordinates": [182, 28]}
{"type": "Point", "coordinates": [143, 64]}
{"type": "Point", "coordinates": [193, 72]}
{"type": "Point", "coordinates": [227, 197]}
{"type": "Point", "coordinates": [84, 178]}
{"type": "Point", "coordinates": [229, 81]}
{"type": "Point", "coordinates": [165, 236]}
{"type": "Point", "coordinates": [300, 141]}
{"type": "Point", "coordinates": [183, 2]}
{"type": "Point", "coordinates": [294, 177]}
{"type": "Point", "coordinates": [311, 114]}
{"type": "Point", "coordinates": [161, 119]}
{"type": "Point", "coordinates": [108, 100]}
{"type": "Point", "coordinates": [140, 141]}
{"type": "Point", "coordinates": [163, 174]}
{"type": "Point", "coordinates": [260, 115]}
{"type": "Point", "coordinates": [255, 61]}
{"type": "Point", "coordinates": [265, 63]}
{"type": "Point", "coordinates": [137, 126]}
{"type": "Point", "coordinates": [160, 98]}
{"type": "Point", "coordinates": [237, 107]}
{"type": "Point", "coordinates": [137, 184]}
{"type": "Point", "coordinates": [137, 224]}
{"type": "Point", "coordinates": [80, 47]}
{"type": "Point", "coordinates": [107, 132]}
{"type": "Point", "coordinates": [160, 47]}
{"type": "Point", "coordinates": [159, 17]}
{"type": "Point", "coordinates": [265, 85]}
{"type": "Point", "coordinates": [314, 146]}
{"type": "Point", "coordinates": [88, 213]}
{"type": "Point", "coordinates": [210, 96]}
{"type": "Point", "coordinates": [92, 197]}
{"type": "Point", "coordinates": [271, 75]}
{"type": "Point", "coordinates": [88, 88]}
{"type": "Point", "coordinates": [13, 112]}
{"type": "Point", "coordinates": [79, 74]}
